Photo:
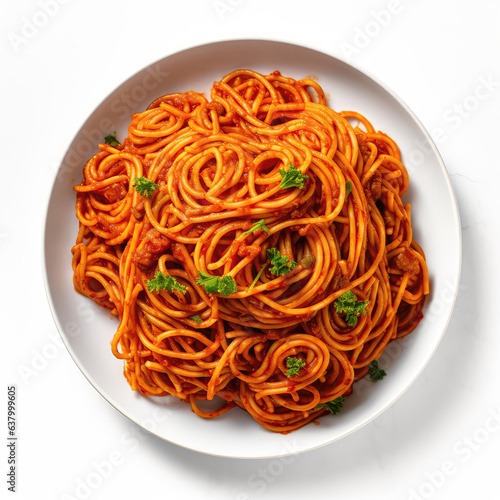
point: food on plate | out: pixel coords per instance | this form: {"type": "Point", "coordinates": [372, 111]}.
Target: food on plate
{"type": "Point", "coordinates": [254, 246]}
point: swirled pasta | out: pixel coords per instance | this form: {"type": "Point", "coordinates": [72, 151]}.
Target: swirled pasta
{"type": "Point", "coordinates": [264, 212]}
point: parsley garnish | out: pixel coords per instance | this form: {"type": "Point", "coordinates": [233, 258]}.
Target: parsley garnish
{"type": "Point", "coordinates": [197, 319]}
{"type": "Point", "coordinates": [292, 178]}
{"type": "Point", "coordinates": [145, 186]}
{"type": "Point", "coordinates": [254, 282]}
{"type": "Point", "coordinates": [225, 285]}
{"type": "Point", "coordinates": [348, 187]}
{"type": "Point", "coordinates": [164, 282]}
{"type": "Point", "coordinates": [349, 305]}
{"type": "Point", "coordinates": [375, 372]}
{"type": "Point", "coordinates": [258, 225]}
{"type": "Point", "coordinates": [294, 365]}
{"type": "Point", "coordinates": [211, 283]}
{"type": "Point", "coordinates": [281, 264]}
{"type": "Point", "coordinates": [111, 140]}
{"type": "Point", "coordinates": [333, 406]}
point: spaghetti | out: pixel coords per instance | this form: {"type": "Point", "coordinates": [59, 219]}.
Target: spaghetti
{"type": "Point", "coordinates": [226, 235]}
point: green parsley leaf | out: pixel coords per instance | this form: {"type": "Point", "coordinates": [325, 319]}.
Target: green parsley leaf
{"type": "Point", "coordinates": [375, 372]}
{"type": "Point", "coordinates": [348, 188]}
{"type": "Point", "coordinates": [334, 406]}
{"type": "Point", "coordinates": [349, 305]}
{"type": "Point", "coordinates": [111, 140]}
{"type": "Point", "coordinates": [164, 282]}
{"type": "Point", "coordinates": [294, 365]}
{"type": "Point", "coordinates": [259, 274]}
{"type": "Point", "coordinates": [258, 225]}
{"type": "Point", "coordinates": [281, 264]}
{"type": "Point", "coordinates": [292, 178]}
{"type": "Point", "coordinates": [196, 318]}
{"type": "Point", "coordinates": [225, 285]}
{"type": "Point", "coordinates": [144, 186]}
{"type": "Point", "coordinates": [211, 283]}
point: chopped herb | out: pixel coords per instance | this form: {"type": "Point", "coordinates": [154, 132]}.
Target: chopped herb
{"type": "Point", "coordinates": [294, 365]}
{"type": "Point", "coordinates": [211, 283]}
{"type": "Point", "coordinates": [111, 140]}
{"type": "Point", "coordinates": [164, 282]}
{"type": "Point", "coordinates": [258, 225]}
{"type": "Point", "coordinates": [292, 178]}
{"type": "Point", "coordinates": [225, 285]}
{"type": "Point", "coordinates": [197, 319]}
{"type": "Point", "coordinates": [349, 305]}
{"type": "Point", "coordinates": [259, 274]}
{"type": "Point", "coordinates": [334, 406]}
{"type": "Point", "coordinates": [145, 186]}
{"type": "Point", "coordinates": [348, 187]}
{"type": "Point", "coordinates": [375, 372]}
{"type": "Point", "coordinates": [281, 264]}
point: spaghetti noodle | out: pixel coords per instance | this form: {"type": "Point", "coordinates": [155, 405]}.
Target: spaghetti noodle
{"type": "Point", "coordinates": [227, 233]}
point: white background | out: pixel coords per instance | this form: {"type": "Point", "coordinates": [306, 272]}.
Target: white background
{"type": "Point", "coordinates": [441, 439]}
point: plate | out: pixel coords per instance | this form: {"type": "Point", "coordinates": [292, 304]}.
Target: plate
{"type": "Point", "coordinates": [86, 329]}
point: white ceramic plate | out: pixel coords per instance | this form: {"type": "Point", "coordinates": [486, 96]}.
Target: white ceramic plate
{"type": "Point", "coordinates": [87, 329]}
